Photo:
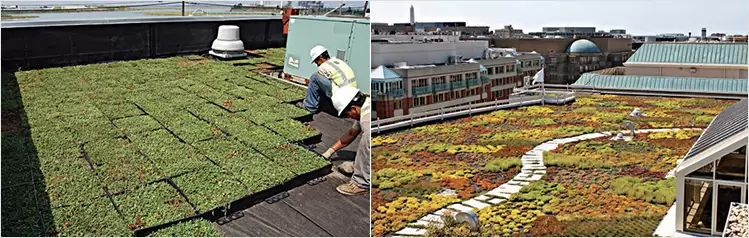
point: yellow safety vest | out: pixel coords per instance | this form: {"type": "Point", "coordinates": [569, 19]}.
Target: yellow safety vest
{"type": "Point", "coordinates": [366, 108]}
{"type": "Point", "coordinates": [339, 72]}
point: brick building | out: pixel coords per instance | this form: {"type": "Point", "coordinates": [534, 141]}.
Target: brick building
{"type": "Point", "coordinates": [403, 89]}
{"type": "Point", "coordinates": [568, 58]}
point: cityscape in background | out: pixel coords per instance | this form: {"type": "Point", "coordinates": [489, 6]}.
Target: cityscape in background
{"type": "Point", "coordinates": [414, 63]}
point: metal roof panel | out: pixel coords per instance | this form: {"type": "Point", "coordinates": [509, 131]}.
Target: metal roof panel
{"type": "Point", "coordinates": [726, 124]}
{"type": "Point", "coordinates": [691, 53]}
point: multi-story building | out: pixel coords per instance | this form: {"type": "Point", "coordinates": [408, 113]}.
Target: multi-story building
{"type": "Point", "coordinates": [713, 69]}
{"type": "Point", "coordinates": [447, 27]}
{"type": "Point", "coordinates": [724, 60]}
{"type": "Point", "coordinates": [420, 77]}
{"type": "Point", "coordinates": [567, 58]}
{"type": "Point", "coordinates": [509, 32]}
{"type": "Point", "coordinates": [580, 30]}
{"type": "Point", "coordinates": [311, 4]}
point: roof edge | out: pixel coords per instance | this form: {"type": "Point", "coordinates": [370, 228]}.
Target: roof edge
{"type": "Point", "coordinates": [732, 66]}
{"type": "Point", "coordinates": [736, 140]}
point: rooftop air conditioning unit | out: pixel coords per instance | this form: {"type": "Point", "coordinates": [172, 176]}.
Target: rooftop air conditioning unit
{"type": "Point", "coordinates": [228, 45]}
{"type": "Point", "coordinates": [400, 64]}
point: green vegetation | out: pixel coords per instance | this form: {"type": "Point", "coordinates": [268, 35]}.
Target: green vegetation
{"type": "Point", "coordinates": [628, 226]}
{"type": "Point", "coordinates": [150, 134]}
{"type": "Point", "coordinates": [502, 164]}
{"type": "Point", "coordinates": [15, 17]}
{"type": "Point", "coordinates": [537, 191]}
{"type": "Point", "coordinates": [663, 191]}
{"type": "Point", "coordinates": [194, 228]}
{"type": "Point", "coordinates": [557, 159]}
{"type": "Point", "coordinates": [390, 178]}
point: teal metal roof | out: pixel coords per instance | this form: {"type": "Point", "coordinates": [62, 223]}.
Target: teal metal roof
{"type": "Point", "coordinates": [583, 46]}
{"type": "Point", "coordinates": [383, 74]}
{"type": "Point", "coordinates": [663, 83]}
{"type": "Point", "coordinates": [482, 68]}
{"type": "Point", "coordinates": [691, 53]}
{"type": "Point", "coordinates": [339, 19]}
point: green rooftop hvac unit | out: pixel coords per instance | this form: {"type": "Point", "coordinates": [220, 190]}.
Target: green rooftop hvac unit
{"type": "Point", "coordinates": [345, 38]}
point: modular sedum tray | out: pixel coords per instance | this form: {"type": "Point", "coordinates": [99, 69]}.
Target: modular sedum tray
{"type": "Point", "coordinates": [127, 146]}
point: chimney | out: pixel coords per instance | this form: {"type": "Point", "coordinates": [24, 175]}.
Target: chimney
{"type": "Point", "coordinates": [704, 33]}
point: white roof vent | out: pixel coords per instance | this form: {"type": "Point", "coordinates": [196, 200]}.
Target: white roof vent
{"type": "Point", "coordinates": [228, 44]}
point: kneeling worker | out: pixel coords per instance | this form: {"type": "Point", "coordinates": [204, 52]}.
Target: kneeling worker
{"type": "Point", "coordinates": [331, 73]}
{"type": "Point", "coordinates": [351, 103]}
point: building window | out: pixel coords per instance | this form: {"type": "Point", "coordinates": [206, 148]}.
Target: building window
{"type": "Point", "coordinates": [536, 62]}
{"type": "Point", "coordinates": [471, 75]}
{"type": "Point", "coordinates": [511, 68]}
{"type": "Point", "coordinates": [420, 101]}
{"type": "Point", "coordinates": [456, 78]}
{"type": "Point", "coordinates": [490, 70]}
{"type": "Point", "coordinates": [438, 98]}
{"type": "Point", "coordinates": [439, 80]}
{"type": "Point", "coordinates": [419, 82]}
{"type": "Point", "coordinates": [553, 60]}
{"type": "Point", "coordinates": [397, 105]}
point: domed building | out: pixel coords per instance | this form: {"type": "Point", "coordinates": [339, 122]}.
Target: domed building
{"type": "Point", "coordinates": [582, 46]}
{"type": "Point", "coordinates": [568, 57]}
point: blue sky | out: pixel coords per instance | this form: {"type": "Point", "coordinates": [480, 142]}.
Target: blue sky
{"type": "Point", "coordinates": [638, 17]}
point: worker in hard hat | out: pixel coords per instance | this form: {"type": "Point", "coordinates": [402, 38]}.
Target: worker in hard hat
{"type": "Point", "coordinates": [349, 102]}
{"type": "Point", "coordinates": [331, 73]}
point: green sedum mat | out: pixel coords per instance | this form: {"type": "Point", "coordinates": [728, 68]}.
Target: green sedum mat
{"type": "Point", "coordinates": [204, 124]}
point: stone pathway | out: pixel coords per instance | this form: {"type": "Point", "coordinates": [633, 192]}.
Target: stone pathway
{"type": "Point", "coordinates": [532, 169]}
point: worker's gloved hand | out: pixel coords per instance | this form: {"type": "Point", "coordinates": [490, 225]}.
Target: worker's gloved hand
{"type": "Point", "coordinates": [328, 153]}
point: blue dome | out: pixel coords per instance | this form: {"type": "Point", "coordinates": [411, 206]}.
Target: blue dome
{"type": "Point", "coordinates": [583, 46]}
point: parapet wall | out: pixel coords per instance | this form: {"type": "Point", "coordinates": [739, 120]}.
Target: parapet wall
{"type": "Point", "coordinates": [42, 44]}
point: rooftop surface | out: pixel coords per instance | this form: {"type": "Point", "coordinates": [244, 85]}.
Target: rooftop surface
{"type": "Point", "coordinates": [726, 124]}
{"type": "Point", "coordinates": [580, 187]}
{"type": "Point", "coordinates": [113, 148]}
{"type": "Point", "coordinates": [660, 83]}
{"type": "Point", "coordinates": [311, 211]}
{"type": "Point", "coordinates": [691, 53]}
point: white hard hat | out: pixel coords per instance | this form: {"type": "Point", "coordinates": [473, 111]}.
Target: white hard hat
{"type": "Point", "coordinates": [316, 51]}
{"type": "Point", "coordinates": [342, 97]}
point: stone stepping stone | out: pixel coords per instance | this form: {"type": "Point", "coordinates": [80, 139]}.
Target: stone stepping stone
{"type": "Point", "coordinates": [408, 231]}
{"type": "Point", "coordinates": [523, 179]}
{"type": "Point", "coordinates": [539, 172]}
{"type": "Point", "coordinates": [513, 182]}
{"type": "Point", "coordinates": [509, 187]}
{"type": "Point", "coordinates": [534, 167]}
{"type": "Point", "coordinates": [482, 198]}
{"type": "Point", "coordinates": [497, 201]}
{"type": "Point", "coordinates": [443, 212]}
{"type": "Point", "coordinates": [545, 147]}
{"type": "Point", "coordinates": [460, 207]}
{"type": "Point", "coordinates": [500, 194]}
{"type": "Point", "coordinates": [476, 204]}
{"type": "Point", "coordinates": [432, 219]}
{"type": "Point", "coordinates": [420, 223]}
{"type": "Point", "coordinates": [536, 177]}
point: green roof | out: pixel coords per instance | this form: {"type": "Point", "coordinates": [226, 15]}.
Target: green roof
{"type": "Point", "coordinates": [663, 83]}
{"type": "Point", "coordinates": [691, 53]}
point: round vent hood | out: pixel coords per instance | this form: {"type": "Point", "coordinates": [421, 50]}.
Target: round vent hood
{"type": "Point", "coordinates": [228, 44]}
